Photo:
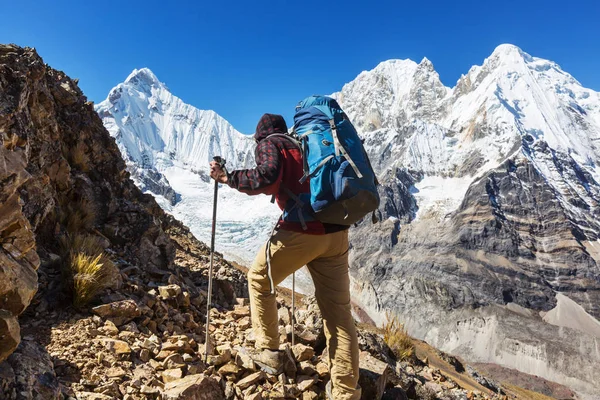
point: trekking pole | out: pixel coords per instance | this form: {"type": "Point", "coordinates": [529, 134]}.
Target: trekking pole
{"type": "Point", "coordinates": [221, 163]}
{"type": "Point", "coordinates": [293, 308]}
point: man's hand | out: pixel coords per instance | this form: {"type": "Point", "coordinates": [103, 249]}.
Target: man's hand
{"type": "Point", "coordinates": [217, 173]}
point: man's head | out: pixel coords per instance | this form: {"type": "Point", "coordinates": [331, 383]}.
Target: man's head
{"type": "Point", "coordinates": [269, 124]}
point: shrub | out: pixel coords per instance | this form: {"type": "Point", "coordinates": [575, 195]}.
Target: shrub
{"type": "Point", "coordinates": [396, 337]}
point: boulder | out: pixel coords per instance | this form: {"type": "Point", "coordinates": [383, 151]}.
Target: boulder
{"type": "Point", "coordinates": [32, 373]}
{"type": "Point", "coordinates": [374, 375]}
{"type": "Point", "coordinates": [119, 312]}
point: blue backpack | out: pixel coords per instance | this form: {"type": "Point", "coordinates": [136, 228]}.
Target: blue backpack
{"type": "Point", "coordinates": [343, 186]}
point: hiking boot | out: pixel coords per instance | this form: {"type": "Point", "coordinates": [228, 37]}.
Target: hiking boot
{"type": "Point", "coordinates": [329, 391]}
{"type": "Point", "coordinates": [269, 361]}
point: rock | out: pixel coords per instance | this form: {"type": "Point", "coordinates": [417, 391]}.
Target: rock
{"type": "Point", "coordinates": [119, 312]}
{"type": "Point", "coordinates": [18, 256]}
{"type": "Point", "coordinates": [10, 334]}
{"type": "Point", "coordinates": [251, 380]}
{"type": "Point", "coordinates": [254, 396]}
{"type": "Point", "coordinates": [173, 361]}
{"type": "Point", "coordinates": [143, 372]}
{"type": "Point", "coordinates": [427, 374]}
{"type": "Point", "coordinates": [163, 354]}
{"type": "Point", "coordinates": [230, 369]}
{"type": "Point", "coordinates": [114, 345]}
{"type": "Point", "coordinates": [433, 386]}
{"type": "Point", "coordinates": [284, 315]}
{"type": "Point", "coordinates": [110, 328]}
{"type": "Point", "coordinates": [172, 375]}
{"type": "Point", "coordinates": [322, 369]}
{"type": "Point", "coordinates": [305, 382]}
{"type": "Point", "coordinates": [144, 355]}
{"type": "Point", "coordinates": [30, 370]}
{"type": "Point", "coordinates": [374, 375]}
{"type": "Point", "coordinates": [115, 372]}
{"type": "Point", "coordinates": [291, 391]}
{"type": "Point", "coordinates": [130, 327]}
{"type": "Point", "coordinates": [242, 301]}
{"type": "Point", "coordinates": [145, 389]}
{"type": "Point", "coordinates": [303, 352]}
{"type": "Point", "coordinates": [169, 292]}
{"type": "Point", "coordinates": [483, 381]}
{"type": "Point", "coordinates": [242, 358]}
{"type": "Point", "coordinates": [307, 368]}
{"type": "Point", "coordinates": [193, 387]}
{"type": "Point", "coordinates": [176, 344]}
{"type": "Point", "coordinates": [241, 311]}
{"type": "Point", "coordinates": [222, 358]}
{"type": "Point", "coordinates": [307, 337]}
{"type": "Point", "coordinates": [244, 323]}
{"type": "Point", "coordinates": [310, 395]}
{"type": "Point", "coordinates": [92, 396]}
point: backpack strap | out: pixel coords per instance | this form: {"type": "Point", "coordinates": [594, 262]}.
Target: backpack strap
{"type": "Point", "coordinates": [289, 137]}
{"type": "Point", "coordinates": [308, 175]}
{"type": "Point", "coordinates": [299, 205]}
{"type": "Point", "coordinates": [268, 256]}
{"type": "Point", "coordinates": [340, 149]}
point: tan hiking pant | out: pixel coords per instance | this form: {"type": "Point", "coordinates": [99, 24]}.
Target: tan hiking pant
{"type": "Point", "coordinates": [326, 257]}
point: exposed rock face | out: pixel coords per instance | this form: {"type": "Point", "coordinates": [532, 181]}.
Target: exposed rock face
{"type": "Point", "coordinates": [56, 159]}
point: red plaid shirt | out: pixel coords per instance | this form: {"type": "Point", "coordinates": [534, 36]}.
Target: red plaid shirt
{"type": "Point", "coordinates": [278, 161]}
{"type": "Point", "coordinates": [264, 178]}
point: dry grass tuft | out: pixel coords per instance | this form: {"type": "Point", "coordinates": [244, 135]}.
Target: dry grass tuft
{"type": "Point", "coordinates": [88, 267]}
{"type": "Point", "coordinates": [78, 216]}
{"type": "Point", "coordinates": [396, 337]}
{"type": "Point", "coordinates": [90, 276]}
{"type": "Point", "coordinates": [78, 157]}
{"type": "Point", "coordinates": [81, 243]}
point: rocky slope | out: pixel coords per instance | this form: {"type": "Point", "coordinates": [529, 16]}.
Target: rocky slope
{"type": "Point", "coordinates": [143, 336]}
{"type": "Point", "coordinates": [490, 207]}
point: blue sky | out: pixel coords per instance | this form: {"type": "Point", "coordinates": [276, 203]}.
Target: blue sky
{"type": "Point", "coordinates": [244, 58]}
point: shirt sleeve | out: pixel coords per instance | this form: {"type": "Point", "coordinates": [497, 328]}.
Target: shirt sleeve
{"type": "Point", "coordinates": [265, 178]}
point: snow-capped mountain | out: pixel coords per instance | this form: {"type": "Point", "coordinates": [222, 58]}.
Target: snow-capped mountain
{"type": "Point", "coordinates": [153, 127]}
{"type": "Point", "coordinates": [168, 144]}
{"type": "Point", "coordinates": [491, 210]}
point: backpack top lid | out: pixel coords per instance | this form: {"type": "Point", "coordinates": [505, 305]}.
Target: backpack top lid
{"type": "Point", "coordinates": [316, 100]}
{"type": "Point", "coordinates": [326, 105]}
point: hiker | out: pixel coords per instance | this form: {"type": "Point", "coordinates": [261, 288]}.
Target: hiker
{"type": "Point", "coordinates": [323, 248]}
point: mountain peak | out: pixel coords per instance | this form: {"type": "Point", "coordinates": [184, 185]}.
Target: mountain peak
{"type": "Point", "coordinates": [425, 64]}
{"type": "Point", "coordinates": [507, 48]}
{"type": "Point", "coordinates": [143, 76]}
{"type": "Point", "coordinates": [510, 53]}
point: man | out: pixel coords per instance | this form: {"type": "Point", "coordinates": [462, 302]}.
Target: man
{"type": "Point", "coordinates": [323, 248]}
